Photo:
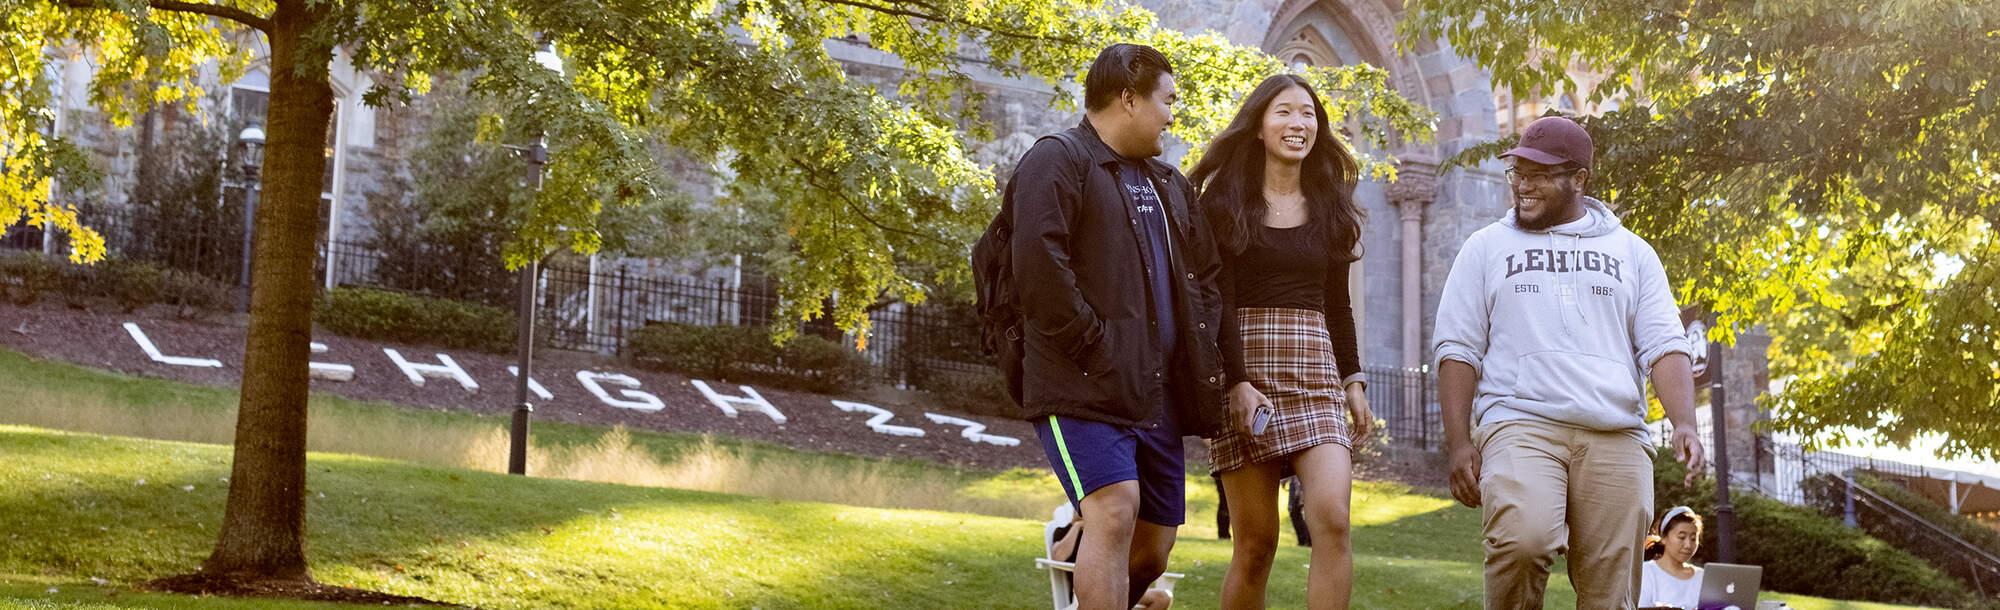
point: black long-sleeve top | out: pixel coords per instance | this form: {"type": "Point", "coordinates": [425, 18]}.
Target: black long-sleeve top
{"type": "Point", "coordinates": [1296, 268]}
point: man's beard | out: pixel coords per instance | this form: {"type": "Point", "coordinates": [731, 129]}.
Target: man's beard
{"type": "Point", "coordinates": [1552, 216]}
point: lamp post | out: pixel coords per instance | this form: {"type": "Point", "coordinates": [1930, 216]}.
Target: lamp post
{"type": "Point", "coordinates": [252, 142]}
{"type": "Point", "coordinates": [1708, 369]}
{"type": "Point", "coordinates": [1725, 514]}
{"type": "Point", "coordinates": [538, 161]}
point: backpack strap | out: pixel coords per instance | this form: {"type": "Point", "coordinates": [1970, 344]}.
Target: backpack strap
{"type": "Point", "coordinates": [1075, 148]}
{"type": "Point", "coordinates": [1076, 154]}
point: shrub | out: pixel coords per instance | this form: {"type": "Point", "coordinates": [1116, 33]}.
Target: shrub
{"type": "Point", "coordinates": [822, 365]}
{"type": "Point", "coordinates": [979, 392]}
{"type": "Point", "coordinates": [1808, 553]}
{"type": "Point", "coordinates": [194, 292]}
{"type": "Point", "coordinates": [707, 351]}
{"type": "Point", "coordinates": [134, 285]}
{"type": "Point", "coordinates": [131, 285]}
{"type": "Point", "coordinates": [24, 278]}
{"type": "Point", "coordinates": [745, 353]}
{"type": "Point", "coordinates": [367, 313]}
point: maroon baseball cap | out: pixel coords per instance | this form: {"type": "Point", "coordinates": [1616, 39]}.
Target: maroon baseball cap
{"type": "Point", "coordinates": [1553, 140]}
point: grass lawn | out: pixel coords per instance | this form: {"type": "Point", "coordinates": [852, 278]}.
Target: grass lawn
{"type": "Point", "coordinates": [84, 516]}
{"type": "Point", "coordinates": [82, 507]}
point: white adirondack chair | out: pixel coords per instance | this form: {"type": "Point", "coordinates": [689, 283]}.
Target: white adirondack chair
{"type": "Point", "coordinates": [1060, 595]}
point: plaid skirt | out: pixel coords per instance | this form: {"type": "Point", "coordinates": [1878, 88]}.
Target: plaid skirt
{"type": "Point", "coordinates": [1289, 357]}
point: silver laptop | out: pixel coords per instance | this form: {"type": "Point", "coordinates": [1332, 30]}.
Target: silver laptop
{"type": "Point", "coordinates": [1726, 586]}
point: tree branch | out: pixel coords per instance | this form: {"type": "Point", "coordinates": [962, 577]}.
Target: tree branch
{"type": "Point", "coordinates": [230, 13]}
{"type": "Point", "coordinates": [900, 12]}
{"type": "Point", "coordinates": [853, 206]}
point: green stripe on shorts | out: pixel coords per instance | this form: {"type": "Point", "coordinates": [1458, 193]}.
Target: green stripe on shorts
{"type": "Point", "coordinates": [1063, 449]}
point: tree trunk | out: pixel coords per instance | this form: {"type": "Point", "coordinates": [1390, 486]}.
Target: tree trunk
{"type": "Point", "coordinates": [263, 526]}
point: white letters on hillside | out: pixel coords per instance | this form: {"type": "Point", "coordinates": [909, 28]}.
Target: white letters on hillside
{"type": "Point", "coordinates": [728, 404]}
{"type": "Point", "coordinates": [154, 352]}
{"type": "Point", "coordinates": [448, 370]}
{"type": "Point", "coordinates": [603, 385]}
{"type": "Point", "coordinates": [878, 423]}
{"type": "Point", "coordinates": [639, 401]}
{"type": "Point", "coordinates": [974, 431]}
{"type": "Point", "coordinates": [533, 386]}
{"type": "Point", "coordinates": [329, 372]}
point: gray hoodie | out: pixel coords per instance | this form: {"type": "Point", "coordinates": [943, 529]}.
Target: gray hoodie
{"type": "Point", "coordinates": [1563, 325]}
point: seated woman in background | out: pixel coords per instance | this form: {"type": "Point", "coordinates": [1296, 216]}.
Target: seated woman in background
{"type": "Point", "coordinates": [1669, 578]}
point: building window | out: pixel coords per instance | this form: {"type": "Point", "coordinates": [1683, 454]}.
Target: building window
{"type": "Point", "coordinates": [249, 106]}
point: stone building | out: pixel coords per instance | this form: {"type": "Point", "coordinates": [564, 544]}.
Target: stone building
{"type": "Point", "coordinates": [364, 150]}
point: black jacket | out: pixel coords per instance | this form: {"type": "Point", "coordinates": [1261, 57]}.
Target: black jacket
{"type": "Point", "coordinates": [1081, 280]}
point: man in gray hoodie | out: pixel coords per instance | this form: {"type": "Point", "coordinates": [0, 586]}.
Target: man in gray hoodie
{"type": "Point", "coordinates": [1550, 323]}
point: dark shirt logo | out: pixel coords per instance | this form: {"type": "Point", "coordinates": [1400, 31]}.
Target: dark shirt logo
{"type": "Point", "coordinates": [1143, 197]}
{"type": "Point", "coordinates": [1564, 261]}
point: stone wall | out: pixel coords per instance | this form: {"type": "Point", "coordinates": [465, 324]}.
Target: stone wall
{"type": "Point", "coordinates": [1746, 372]}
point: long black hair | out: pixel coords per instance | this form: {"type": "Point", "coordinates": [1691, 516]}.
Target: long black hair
{"type": "Point", "coordinates": [1231, 177]}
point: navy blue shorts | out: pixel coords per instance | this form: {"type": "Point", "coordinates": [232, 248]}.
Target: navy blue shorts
{"type": "Point", "coordinates": [1088, 455]}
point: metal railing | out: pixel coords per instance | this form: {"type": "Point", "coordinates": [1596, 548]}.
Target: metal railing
{"type": "Point", "coordinates": [1824, 481]}
{"type": "Point", "coordinates": [1901, 527]}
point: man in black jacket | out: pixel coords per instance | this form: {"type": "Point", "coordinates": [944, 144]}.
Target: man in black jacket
{"type": "Point", "coordinates": [1116, 282]}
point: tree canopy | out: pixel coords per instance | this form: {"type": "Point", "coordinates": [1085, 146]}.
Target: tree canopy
{"type": "Point", "coordinates": [1826, 168]}
{"type": "Point", "coordinates": [875, 192]}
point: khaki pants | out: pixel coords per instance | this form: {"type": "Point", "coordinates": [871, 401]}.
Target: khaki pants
{"type": "Point", "coordinates": [1548, 489]}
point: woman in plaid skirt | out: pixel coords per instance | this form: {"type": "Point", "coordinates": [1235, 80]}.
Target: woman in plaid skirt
{"type": "Point", "coordinates": [1277, 188]}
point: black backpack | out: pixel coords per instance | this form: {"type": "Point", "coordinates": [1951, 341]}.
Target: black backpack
{"type": "Point", "coordinates": [998, 305]}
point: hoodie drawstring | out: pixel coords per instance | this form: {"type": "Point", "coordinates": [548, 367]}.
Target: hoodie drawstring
{"type": "Point", "coordinates": [1566, 296]}
{"type": "Point", "coordinates": [1575, 260]}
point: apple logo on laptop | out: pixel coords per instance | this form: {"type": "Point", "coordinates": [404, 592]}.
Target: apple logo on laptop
{"type": "Point", "coordinates": [1731, 589]}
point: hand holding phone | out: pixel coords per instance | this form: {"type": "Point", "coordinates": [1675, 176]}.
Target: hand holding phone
{"type": "Point", "coordinates": [1260, 420]}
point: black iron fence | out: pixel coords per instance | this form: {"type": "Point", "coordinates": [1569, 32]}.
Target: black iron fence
{"type": "Point", "coordinates": [351, 264]}
{"type": "Point", "coordinates": [598, 310]}
{"type": "Point", "coordinates": [1787, 470]}
{"type": "Point", "coordinates": [22, 237]}
{"type": "Point", "coordinates": [1406, 400]}
{"type": "Point", "coordinates": [1780, 470]}
{"type": "Point", "coordinates": [206, 242]}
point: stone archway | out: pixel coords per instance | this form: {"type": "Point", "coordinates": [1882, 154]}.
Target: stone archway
{"type": "Point", "coordinates": [1417, 224]}
{"type": "Point", "coordinates": [1426, 71]}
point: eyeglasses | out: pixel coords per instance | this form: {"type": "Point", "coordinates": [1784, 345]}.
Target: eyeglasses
{"type": "Point", "coordinates": [1516, 177]}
